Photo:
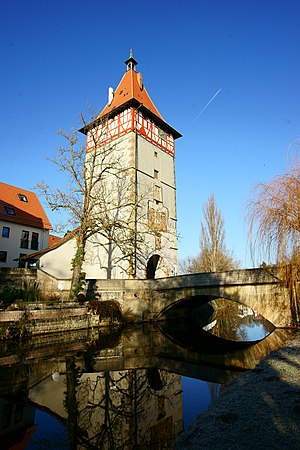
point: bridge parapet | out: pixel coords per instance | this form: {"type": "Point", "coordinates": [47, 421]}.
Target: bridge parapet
{"type": "Point", "coordinates": [230, 278]}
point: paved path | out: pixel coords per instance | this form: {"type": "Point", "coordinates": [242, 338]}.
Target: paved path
{"type": "Point", "coordinates": [259, 410]}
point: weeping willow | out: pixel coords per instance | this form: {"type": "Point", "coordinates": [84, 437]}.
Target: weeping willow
{"type": "Point", "coordinates": [274, 229]}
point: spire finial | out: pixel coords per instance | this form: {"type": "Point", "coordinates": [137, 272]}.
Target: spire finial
{"type": "Point", "coordinates": [131, 63]}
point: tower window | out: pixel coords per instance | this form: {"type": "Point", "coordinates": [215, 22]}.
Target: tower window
{"type": "Point", "coordinates": [156, 174]}
{"type": "Point", "coordinates": [155, 154]}
{"type": "Point", "coordinates": [163, 134]}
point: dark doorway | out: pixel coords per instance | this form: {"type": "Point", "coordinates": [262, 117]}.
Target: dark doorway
{"type": "Point", "coordinates": [21, 264]}
{"type": "Point", "coordinates": [151, 266]}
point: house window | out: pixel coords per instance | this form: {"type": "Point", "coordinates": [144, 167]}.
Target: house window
{"type": "Point", "coordinates": [24, 239]}
{"type": "Point", "coordinates": [32, 263]}
{"type": "Point", "coordinates": [23, 198]}
{"type": "Point", "coordinates": [10, 211]}
{"type": "Point", "coordinates": [35, 241]}
{"type": "Point", "coordinates": [3, 256]}
{"type": "Point", "coordinates": [5, 232]}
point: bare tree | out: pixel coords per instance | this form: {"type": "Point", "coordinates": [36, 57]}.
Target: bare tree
{"type": "Point", "coordinates": [213, 256]}
{"type": "Point", "coordinates": [274, 228]}
{"type": "Point", "coordinates": [100, 199]}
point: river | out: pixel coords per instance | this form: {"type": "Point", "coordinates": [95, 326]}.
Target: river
{"type": "Point", "coordinates": [132, 388]}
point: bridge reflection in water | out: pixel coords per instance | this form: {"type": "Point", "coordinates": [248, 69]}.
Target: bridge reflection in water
{"type": "Point", "coordinates": [118, 389]}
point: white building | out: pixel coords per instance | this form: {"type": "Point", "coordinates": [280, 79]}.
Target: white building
{"type": "Point", "coordinates": [23, 223]}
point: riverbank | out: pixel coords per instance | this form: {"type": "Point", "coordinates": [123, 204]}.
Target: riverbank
{"type": "Point", "coordinates": [259, 410]}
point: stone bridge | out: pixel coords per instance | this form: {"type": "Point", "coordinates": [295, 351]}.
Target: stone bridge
{"type": "Point", "coordinates": [149, 299]}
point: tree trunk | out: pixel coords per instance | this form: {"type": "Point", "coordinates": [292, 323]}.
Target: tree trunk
{"type": "Point", "coordinates": [77, 276]}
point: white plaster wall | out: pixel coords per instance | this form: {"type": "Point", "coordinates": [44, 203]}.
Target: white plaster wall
{"type": "Point", "coordinates": [11, 245]}
{"type": "Point", "coordinates": [57, 262]}
{"type": "Point", "coordinates": [163, 162]}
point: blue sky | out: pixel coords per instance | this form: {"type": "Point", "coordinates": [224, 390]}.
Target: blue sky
{"type": "Point", "coordinates": [58, 57]}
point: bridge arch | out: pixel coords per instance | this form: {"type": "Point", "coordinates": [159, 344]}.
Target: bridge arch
{"type": "Point", "coordinates": [185, 304]}
{"type": "Point", "coordinates": [255, 288]}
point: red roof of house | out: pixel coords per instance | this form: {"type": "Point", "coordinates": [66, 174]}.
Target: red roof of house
{"type": "Point", "coordinates": [53, 240]}
{"type": "Point", "coordinates": [21, 206]}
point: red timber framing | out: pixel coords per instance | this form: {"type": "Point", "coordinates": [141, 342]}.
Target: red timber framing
{"type": "Point", "coordinates": [128, 120]}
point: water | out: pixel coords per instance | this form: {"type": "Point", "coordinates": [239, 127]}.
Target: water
{"type": "Point", "coordinates": [136, 388]}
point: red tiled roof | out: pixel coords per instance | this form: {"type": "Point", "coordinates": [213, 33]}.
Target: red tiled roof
{"type": "Point", "coordinates": [130, 88]}
{"type": "Point", "coordinates": [132, 92]}
{"type": "Point", "coordinates": [53, 240]}
{"type": "Point", "coordinates": [28, 211]}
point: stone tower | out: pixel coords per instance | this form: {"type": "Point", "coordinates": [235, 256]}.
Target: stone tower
{"type": "Point", "coordinates": [143, 144]}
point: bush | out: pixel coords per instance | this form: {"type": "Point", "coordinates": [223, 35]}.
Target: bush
{"type": "Point", "coordinates": [10, 294]}
{"type": "Point", "coordinates": [108, 309]}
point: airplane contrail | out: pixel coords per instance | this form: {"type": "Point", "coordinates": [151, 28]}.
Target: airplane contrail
{"type": "Point", "coordinates": [204, 108]}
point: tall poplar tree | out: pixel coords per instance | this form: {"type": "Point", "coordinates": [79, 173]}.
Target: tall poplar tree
{"type": "Point", "coordinates": [213, 256]}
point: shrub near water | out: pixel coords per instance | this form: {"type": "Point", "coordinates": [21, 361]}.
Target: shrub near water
{"type": "Point", "coordinates": [11, 294]}
{"type": "Point", "coordinates": [108, 309]}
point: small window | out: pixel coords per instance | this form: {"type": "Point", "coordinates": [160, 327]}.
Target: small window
{"type": "Point", "coordinates": [35, 241]}
{"type": "Point", "coordinates": [3, 256]}
{"type": "Point", "coordinates": [24, 239]}
{"type": "Point", "coordinates": [156, 174]}
{"type": "Point", "coordinates": [10, 210]}
{"type": "Point", "coordinates": [23, 198]}
{"type": "Point", "coordinates": [5, 232]}
{"type": "Point", "coordinates": [32, 263]}
{"type": "Point", "coordinates": [155, 154]}
{"type": "Point", "coordinates": [163, 134]}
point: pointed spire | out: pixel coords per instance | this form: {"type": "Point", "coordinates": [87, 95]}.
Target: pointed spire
{"type": "Point", "coordinates": [131, 63]}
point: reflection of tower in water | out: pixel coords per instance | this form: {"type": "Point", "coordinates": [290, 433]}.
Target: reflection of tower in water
{"type": "Point", "coordinates": [130, 408]}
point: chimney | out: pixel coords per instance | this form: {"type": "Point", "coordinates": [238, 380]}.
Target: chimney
{"type": "Point", "coordinates": [110, 95]}
{"type": "Point", "coordinates": [140, 80]}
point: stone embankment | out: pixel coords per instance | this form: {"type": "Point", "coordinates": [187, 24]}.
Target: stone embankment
{"type": "Point", "coordinates": [44, 320]}
{"type": "Point", "coordinates": [259, 410]}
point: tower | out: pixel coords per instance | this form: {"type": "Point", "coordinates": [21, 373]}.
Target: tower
{"type": "Point", "coordinates": [141, 145]}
